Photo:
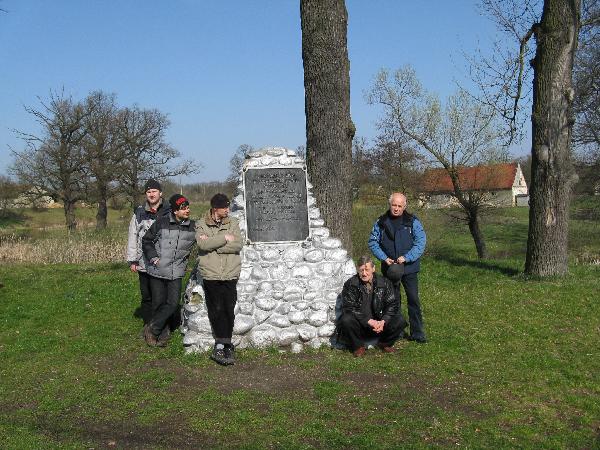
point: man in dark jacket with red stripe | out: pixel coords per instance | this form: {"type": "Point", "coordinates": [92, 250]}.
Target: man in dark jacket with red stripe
{"type": "Point", "coordinates": [167, 246]}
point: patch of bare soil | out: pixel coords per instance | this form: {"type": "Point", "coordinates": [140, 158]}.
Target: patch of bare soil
{"type": "Point", "coordinates": [171, 432]}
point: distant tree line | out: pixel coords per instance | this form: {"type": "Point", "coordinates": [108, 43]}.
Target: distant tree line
{"type": "Point", "coordinates": [93, 150]}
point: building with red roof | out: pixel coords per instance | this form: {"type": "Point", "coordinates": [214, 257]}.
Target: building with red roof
{"type": "Point", "coordinates": [498, 184]}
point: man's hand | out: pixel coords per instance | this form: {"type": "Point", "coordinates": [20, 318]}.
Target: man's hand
{"type": "Point", "coordinates": [133, 267]}
{"type": "Point", "coordinates": [376, 325]}
{"type": "Point", "coordinates": [229, 237]}
{"type": "Point", "coordinates": [389, 261]}
{"type": "Point", "coordinates": [202, 237]}
{"type": "Point", "coordinates": [401, 260]}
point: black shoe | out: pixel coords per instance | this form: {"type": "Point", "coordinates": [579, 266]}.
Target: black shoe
{"type": "Point", "coordinates": [230, 354]}
{"type": "Point", "coordinates": [419, 340]}
{"type": "Point", "coordinates": [218, 355]}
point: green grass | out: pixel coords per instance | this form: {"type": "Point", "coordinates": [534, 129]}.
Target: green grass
{"type": "Point", "coordinates": [511, 362]}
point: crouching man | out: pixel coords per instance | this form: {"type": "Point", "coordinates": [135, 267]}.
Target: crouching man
{"type": "Point", "coordinates": [370, 311]}
{"type": "Point", "coordinates": [167, 246]}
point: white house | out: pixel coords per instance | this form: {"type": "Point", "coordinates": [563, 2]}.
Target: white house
{"type": "Point", "coordinates": [502, 184]}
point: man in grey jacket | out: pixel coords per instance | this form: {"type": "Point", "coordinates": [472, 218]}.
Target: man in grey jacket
{"type": "Point", "coordinates": [167, 246]}
{"type": "Point", "coordinates": [143, 217]}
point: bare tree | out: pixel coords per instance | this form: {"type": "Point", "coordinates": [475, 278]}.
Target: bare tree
{"type": "Point", "coordinates": [53, 162]}
{"type": "Point", "coordinates": [462, 133]}
{"type": "Point", "coordinates": [147, 154]}
{"type": "Point", "coordinates": [236, 162]}
{"type": "Point", "coordinates": [103, 151]}
{"type": "Point", "coordinates": [329, 129]}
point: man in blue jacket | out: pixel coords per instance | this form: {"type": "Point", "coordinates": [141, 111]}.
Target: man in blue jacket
{"type": "Point", "coordinates": [398, 241]}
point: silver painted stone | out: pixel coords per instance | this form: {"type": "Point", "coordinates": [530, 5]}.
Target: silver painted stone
{"type": "Point", "coordinates": [270, 254]}
{"type": "Point", "coordinates": [314, 256]}
{"type": "Point", "coordinates": [261, 315]}
{"type": "Point", "coordinates": [265, 302]}
{"type": "Point", "coordinates": [288, 336]}
{"type": "Point", "coordinates": [330, 243]}
{"type": "Point", "coordinates": [301, 271]}
{"type": "Point", "coordinates": [317, 223]}
{"type": "Point", "coordinates": [242, 324]}
{"type": "Point", "coordinates": [245, 308]}
{"type": "Point", "coordinates": [265, 286]}
{"type": "Point", "coordinates": [315, 284]}
{"type": "Point", "coordinates": [258, 273]}
{"type": "Point", "coordinates": [319, 306]}
{"type": "Point", "coordinates": [263, 336]}
{"type": "Point", "coordinates": [306, 332]}
{"type": "Point", "coordinates": [309, 296]}
{"type": "Point", "coordinates": [296, 347]}
{"type": "Point", "coordinates": [297, 317]}
{"type": "Point", "coordinates": [326, 330]}
{"type": "Point", "coordinates": [300, 306]}
{"type": "Point", "coordinates": [293, 254]}
{"type": "Point", "coordinates": [283, 308]}
{"type": "Point", "coordinates": [338, 255]}
{"type": "Point", "coordinates": [279, 321]}
{"type": "Point", "coordinates": [317, 318]}
{"type": "Point", "coordinates": [279, 272]}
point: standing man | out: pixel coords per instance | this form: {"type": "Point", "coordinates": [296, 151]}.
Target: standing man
{"type": "Point", "coordinates": [398, 241]}
{"type": "Point", "coordinates": [167, 246]}
{"type": "Point", "coordinates": [370, 310]}
{"type": "Point", "coordinates": [143, 217]}
{"type": "Point", "coordinates": [219, 243]}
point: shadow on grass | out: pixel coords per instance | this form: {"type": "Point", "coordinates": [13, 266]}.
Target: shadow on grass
{"type": "Point", "coordinates": [478, 264]}
{"type": "Point", "coordinates": [9, 217]}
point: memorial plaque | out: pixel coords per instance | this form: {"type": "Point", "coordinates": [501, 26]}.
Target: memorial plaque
{"type": "Point", "coordinates": [276, 207]}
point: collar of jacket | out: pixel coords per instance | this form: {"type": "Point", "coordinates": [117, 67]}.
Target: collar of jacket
{"type": "Point", "coordinates": [147, 205]}
{"type": "Point", "coordinates": [211, 222]}
{"type": "Point", "coordinates": [376, 280]}
{"type": "Point", "coordinates": [172, 219]}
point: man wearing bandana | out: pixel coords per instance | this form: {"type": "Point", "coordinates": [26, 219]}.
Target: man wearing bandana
{"type": "Point", "coordinates": [167, 246]}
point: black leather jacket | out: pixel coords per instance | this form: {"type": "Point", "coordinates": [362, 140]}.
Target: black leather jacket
{"type": "Point", "coordinates": [384, 305]}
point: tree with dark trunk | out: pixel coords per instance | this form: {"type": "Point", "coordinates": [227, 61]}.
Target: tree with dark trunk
{"type": "Point", "coordinates": [103, 152]}
{"type": "Point", "coordinates": [552, 174]}
{"type": "Point", "coordinates": [503, 80]}
{"type": "Point", "coordinates": [53, 163]}
{"type": "Point", "coordinates": [329, 128]}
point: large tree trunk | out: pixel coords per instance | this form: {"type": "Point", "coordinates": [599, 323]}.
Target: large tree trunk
{"type": "Point", "coordinates": [71, 222]}
{"type": "Point", "coordinates": [552, 175]}
{"type": "Point", "coordinates": [329, 128]}
{"type": "Point", "coordinates": [477, 236]}
{"type": "Point", "coordinates": [102, 215]}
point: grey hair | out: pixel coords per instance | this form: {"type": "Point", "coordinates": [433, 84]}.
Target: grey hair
{"type": "Point", "coordinates": [397, 193]}
{"type": "Point", "coordinates": [364, 259]}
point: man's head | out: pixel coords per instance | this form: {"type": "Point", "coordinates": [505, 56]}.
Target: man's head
{"type": "Point", "coordinates": [180, 207]}
{"type": "Point", "coordinates": [397, 204]}
{"type": "Point", "coordinates": [219, 204]}
{"type": "Point", "coordinates": [153, 192]}
{"type": "Point", "coordinates": [365, 269]}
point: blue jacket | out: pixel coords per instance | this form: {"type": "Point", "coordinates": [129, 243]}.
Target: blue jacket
{"type": "Point", "coordinates": [408, 240]}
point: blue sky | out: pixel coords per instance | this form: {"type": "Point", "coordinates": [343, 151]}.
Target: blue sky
{"type": "Point", "coordinates": [226, 72]}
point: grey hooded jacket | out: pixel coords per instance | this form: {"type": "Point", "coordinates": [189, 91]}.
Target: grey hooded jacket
{"type": "Point", "coordinates": [171, 242]}
{"type": "Point", "coordinates": [143, 217]}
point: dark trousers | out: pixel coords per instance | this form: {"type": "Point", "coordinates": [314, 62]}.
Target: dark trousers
{"type": "Point", "coordinates": [410, 281]}
{"type": "Point", "coordinates": [355, 334]}
{"type": "Point", "coordinates": [221, 297]}
{"type": "Point", "coordinates": [165, 301]}
{"type": "Point", "coordinates": [145, 311]}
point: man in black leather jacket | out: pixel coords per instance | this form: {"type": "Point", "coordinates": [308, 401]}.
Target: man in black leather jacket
{"type": "Point", "coordinates": [370, 311]}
